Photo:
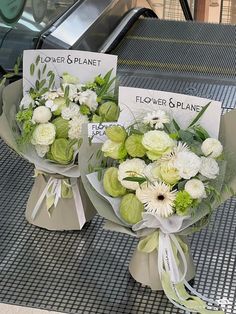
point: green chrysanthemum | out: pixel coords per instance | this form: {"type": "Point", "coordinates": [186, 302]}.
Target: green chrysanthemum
{"type": "Point", "coordinates": [183, 202]}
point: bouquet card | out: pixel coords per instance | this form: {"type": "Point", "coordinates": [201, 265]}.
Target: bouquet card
{"type": "Point", "coordinates": [83, 64]}
{"type": "Point", "coordinates": [134, 102]}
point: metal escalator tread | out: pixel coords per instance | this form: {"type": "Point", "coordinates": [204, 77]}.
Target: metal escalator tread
{"type": "Point", "coordinates": [179, 48]}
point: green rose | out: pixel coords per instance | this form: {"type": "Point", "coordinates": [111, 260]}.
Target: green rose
{"type": "Point", "coordinates": [114, 150]}
{"type": "Point", "coordinates": [69, 79]}
{"type": "Point", "coordinates": [131, 209]}
{"type": "Point", "coordinates": [62, 151]}
{"type": "Point", "coordinates": [157, 143]}
{"type": "Point", "coordinates": [168, 173]}
{"type": "Point", "coordinates": [109, 111]}
{"type": "Point", "coordinates": [60, 102]}
{"type": "Point", "coordinates": [111, 183]}
{"type": "Point", "coordinates": [116, 133]}
{"type": "Point", "coordinates": [134, 146]}
{"type": "Point", "coordinates": [62, 127]}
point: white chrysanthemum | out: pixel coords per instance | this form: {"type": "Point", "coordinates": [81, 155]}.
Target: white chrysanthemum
{"type": "Point", "coordinates": [157, 198]}
{"type": "Point", "coordinates": [188, 164]}
{"type": "Point", "coordinates": [209, 168]}
{"type": "Point", "coordinates": [42, 150]}
{"type": "Point", "coordinates": [156, 119]}
{"type": "Point", "coordinates": [195, 188]}
{"type": "Point", "coordinates": [50, 104]}
{"type": "Point", "coordinates": [44, 134]}
{"type": "Point", "coordinates": [41, 114]}
{"type": "Point", "coordinates": [75, 126]}
{"type": "Point", "coordinates": [71, 111]}
{"type": "Point", "coordinates": [26, 101]}
{"type": "Point", "coordinates": [181, 147]}
{"type": "Point", "coordinates": [211, 147]}
{"type": "Point", "coordinates": [130, 168]}
{"type": "Point", "coordinates": [88, 98]}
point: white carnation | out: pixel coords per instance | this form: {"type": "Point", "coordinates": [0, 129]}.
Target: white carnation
{"type": "Point", "coordinates": [195, 188]}
{"type": "Point", "coordinates": [26, 101]}
{"type": "Point", "coordinates": [75, 126]}
{"type": "Point", "coordinates": [44, 134]}
{"type": "Point", "coordinates": [211, 147]}
{"type": "Point", "coordinates": [41, 114]}
{"type": "Point", "coordinates": [131, 168]}
{"type": "Point", "coordinates": [88, 98]}
{"type": "Point", "coordinates": [209, 168]}
{"type": "Point", "coordinates": [42, 150]}
{"type": "Point", "coordinates": [188, 164]}
{"type": "Point", "coordinates": [71, 111]}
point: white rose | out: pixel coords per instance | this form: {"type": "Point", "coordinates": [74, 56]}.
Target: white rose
{"type": "Point", "coordinates": [88, 98]}
{"type": "Point", "coordinates": [157, 143]}
{"type": "Point", "coordinates": [41, 114]}
{"type": "Point", "coordinates": [42, 150]}
{"type": "Point", "coordinates": [152, 171]}
{"type": "Point", "coordinates": [209, 168]}
{"type": "Point", "coordinates": [130, 168]}
{"type": "Point", "coordinates": [211, 147]}
{"type": "Point", "coordinates": [50, 104]}
{"type": "Point", "coordinates": [26, 101]}
{"type": "Point", "coordinates": [188, 164]}
{"type": "Point", "coordinates": [44, 134]}
{"type": "Point", "coordinates": [195, 188]}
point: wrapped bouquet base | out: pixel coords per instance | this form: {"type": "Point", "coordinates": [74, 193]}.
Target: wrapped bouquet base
{"type": "Point", "coordinates": [143, 268]}
{"type": "Point", "coordinates": [72, 210]}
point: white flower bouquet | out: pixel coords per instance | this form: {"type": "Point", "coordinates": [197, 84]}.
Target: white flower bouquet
{"type": "Point", "coordinates": [159, 182]}
{"type": "Point", "coordinates": [44, 126]}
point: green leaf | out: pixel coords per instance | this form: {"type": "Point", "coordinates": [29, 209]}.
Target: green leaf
{"type": "Point", "coordinates": [16, 69]}
{"type": "Point", "coordinates": [37, 84]}
{"type": "Point", "coordinates": [42, 83]}
{"type": "Point", "coordinates": [177, 127]}
{"type": "Point", "coordinates": [66, 93]}
{"type": "Point", "coordinates": [199, 115]}
{"type": "Point", "coordinates": [2, 81]}
{"type": "Point", "coordinates": [200, 132]}
{"type": "Point", "coordinates": [37, 60]}
{"type": "Point", "coordinates": [32, 68]}
{"type": "Point", "coordinates": [51, 80]}
{"type": "Point", "coordinates": [135, 179]}
{"type": "Point", "coordinates": [39, 74]}
{"type": "Point", "coordinates": [186, 136]}
{"type": "Point", "coordinates": [44, 68]}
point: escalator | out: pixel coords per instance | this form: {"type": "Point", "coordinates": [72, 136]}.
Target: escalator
{"type": "Point", "coordinates": [87, 271]}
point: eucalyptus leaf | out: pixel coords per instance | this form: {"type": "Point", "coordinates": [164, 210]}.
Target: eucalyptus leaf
{"type": "Point", "coordinates": [32, 68]}
{"type": "Point", "coordinates": [135, 179]}
{"type": "Point", "coordinates": [37, 60]}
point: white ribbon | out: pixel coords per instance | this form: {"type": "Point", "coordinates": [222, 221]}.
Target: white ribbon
{"type": "Point", "coordinates": [54, 188]}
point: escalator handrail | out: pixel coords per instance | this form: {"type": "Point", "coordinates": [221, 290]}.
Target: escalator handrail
{"type": "Point", "coordinates": [127, 22]}
{"type": "Point", "coordinates": [186, 10]}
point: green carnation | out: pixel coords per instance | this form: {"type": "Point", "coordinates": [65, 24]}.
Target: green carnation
{"type": "Point", "coordinates": [183, 202]}
{"type": "Point", "coordinates": [60, 102]}
{"type": "Point", "coordinates": [62, 151]}
{"type": "Point", "coordinates": [109, 111]}
{"type": "Point", "coordinates": [134, 146]}
{"type": "Point", "coordinates": [131, 209]}
{"type": "Point", "coordinates": [111, 183]}
{"type": "Point", "coordinates": [114, 150]}
{"type": "Point", "coordinates": [84, 109]}
{"type": "Point", "coordinates": [116, 133]}
{"type": "Point", "coordinates": [62, 127]}
{"type": "Point", "coordinates": [69, 79]}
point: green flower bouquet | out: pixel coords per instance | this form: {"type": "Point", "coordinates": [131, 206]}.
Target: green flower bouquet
{"type": "Point", "coordinates": [44, 126]}
{"type": "Point", "coordinates": [159, 182]}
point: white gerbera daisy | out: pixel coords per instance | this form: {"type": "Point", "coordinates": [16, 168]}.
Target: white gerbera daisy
{"type": "Point", "coordinates": [156, 119]}
{"type": "Point", "coordinates": [157, 198]}
{"type": "Point", "coordinates": [131, 168]}
{"type": "Point", "coordinates": [181, 147]}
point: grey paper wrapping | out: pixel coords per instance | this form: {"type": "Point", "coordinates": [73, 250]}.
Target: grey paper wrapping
{"type": "Point", "coordinates": [64, 216]}
{"type": "Point", "coordinates": [143, 267]}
